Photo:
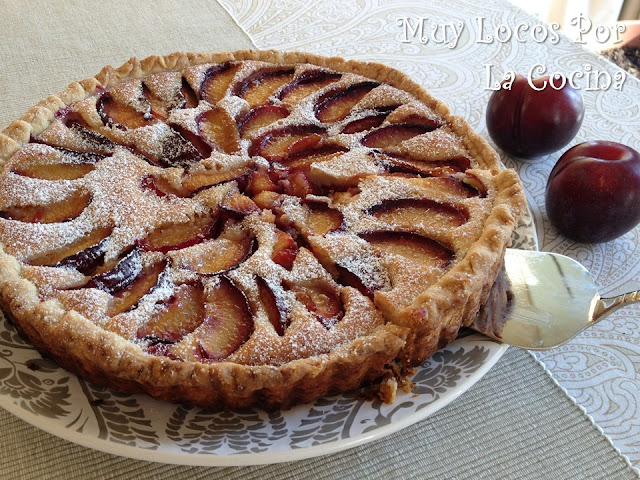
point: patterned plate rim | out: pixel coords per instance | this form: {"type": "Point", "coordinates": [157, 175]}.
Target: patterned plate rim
{"type": "Point", "coordinates": [524, 237]}
{"type": "Point", "coordinates": [54, 427]}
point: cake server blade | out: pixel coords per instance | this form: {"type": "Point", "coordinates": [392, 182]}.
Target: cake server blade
{"type": "Point", "coordinates": [552, 298]}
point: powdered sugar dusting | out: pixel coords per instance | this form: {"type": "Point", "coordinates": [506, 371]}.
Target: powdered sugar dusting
{"type": "Point", "coordinates": [384, 96]}
{"type": "Point", "coordinates": [20, 190]}
{"type": "Point", "coordinates": [439, 144]}
{"type": "Point", "coordinates": [187, 117]}
{"type": "Point", "coordinates": [345, 169]}
{"type": "Point", "coordinates": [130, 93]}
{"type": "Point", "coordinates": [166, 86]}
{"type": "Point", "coordinates": [328, 269]}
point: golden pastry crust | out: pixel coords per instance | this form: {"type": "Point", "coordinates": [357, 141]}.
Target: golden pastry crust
{"type": "Point", "coordinates": [414, 326]}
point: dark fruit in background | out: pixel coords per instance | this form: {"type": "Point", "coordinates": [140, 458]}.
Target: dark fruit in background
{"type": "Point", "coordinates": [593, 192]}
{"type": "Point", "coordinates": [528, 123]}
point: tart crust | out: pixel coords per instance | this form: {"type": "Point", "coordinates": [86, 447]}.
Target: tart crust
{"type": "Point", "coordinates": [409, 335]}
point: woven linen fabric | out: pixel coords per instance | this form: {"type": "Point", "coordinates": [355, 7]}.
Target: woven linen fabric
{"type": "Point", "coordinates": [47, 45]}
{"type": "Point", "coordinates": [514, 423]}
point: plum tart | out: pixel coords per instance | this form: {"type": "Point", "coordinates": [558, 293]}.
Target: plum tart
{"type": "Point", "coordinates": [243, 229]}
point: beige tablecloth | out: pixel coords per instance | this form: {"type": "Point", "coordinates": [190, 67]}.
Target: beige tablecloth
{"type": "Point", "coordinates": [46, 45]}
{"type": "Point", "coordinates": [515, 423]}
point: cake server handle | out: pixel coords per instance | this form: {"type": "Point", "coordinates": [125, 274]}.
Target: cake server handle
{"type": "Point", "coordinates": [605, 306]}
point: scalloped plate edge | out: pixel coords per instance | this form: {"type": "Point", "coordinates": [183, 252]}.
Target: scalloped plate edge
{"type": "Point", "coordinates": [52, 427]}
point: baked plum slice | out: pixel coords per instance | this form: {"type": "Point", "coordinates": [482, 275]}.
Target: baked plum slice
{"type": "Point", "coordinates": [321, 218]}
{"type": "Point", "coordinates": [305, 158]}
{"type": "Point", "coordinates": [307, 83]}
{"type": "Point", "coordinates": [95, 142]}
{"type": "Point", "coordinates": [162, 100]}
{"type": "Point", "coordinates": [260, 181]}
{"type": "Point", "coordinates": [196, 180]}
{"type": "Point", "coordinates": [73, 165]}
{"type": "Point", "coordinates": [159, 106]}
{"type": "Point", "coordinates": [314, 217]}
{"type": "Point", "coordinates": [239, 205]}
{"type": "Point", "coordinates": [197, 141]}
{"type": "Point", "coordinates": [228, 322]}
{"type": "Point", "coordinates": [189, 99]}
{"type": "Point", "coordinates": [88, 260]}
{"type": "Point", "coordinates": [117, 115]}
{"type": "Point", "coordinates": [352, 262]}
{"type": "Point", "coordinates": [85, 254]}
{"type": "Point", "coordinates": [472, 186]}
{"type": "Point", "coordinates": [178, 146]}
{"type": "Point", "coordinates": [405, 166]}
{"type": "Point", "coordinates": [125, 272]}
{"type": "Point", "coordinates": [217, 81]}
{"type": "Point", "coordinates": [337, 104]}
{"type": "Point", "coordinates": [226, 252]}
{"type": "Point", "coordinates": [219, 130]}
{"type": "Point", "coordinates": [146, 281]}
{"type": "Point", "coordinates": [407, 213]}
{"type": "Point", "coordinates": [56, 171]}
{"type": "Point", "coordinates": [413, 118]}
{"type": "Point", "coordinates": [128, 281]}
{"type": "Point", "coordinates": [365, 284]}
{"type": "Point", "coordinates": [174, 318]}
{"type": "Point", "coordinates": [60, 211]}
{"type": "Point", "coordinates": [175, 150]}
{"type": "Point", "coordinates": [178, 151]}
{"type": "Point", "coordinates": [285, 249]}
{"type": "Point", "coordinates": [279, 144]}
{"type": "Point", "coordinates": [274, 306]}
{"type": "Point", "coordinates": [80, 132]}
{"type": "Point", "coordinates": [365, 123]}
{"type": "Point", "coordinates": [320, 299]}
{"type": "Point", "coordinates": [418, 249]}
{"type": "Point", "coordinates": [294, 182]}
{"type": "Point", "coordinates": [463, 186]}
{"type": "Point", "coordinates": [261, 117]}
{"type": "Point", "coordinates": [160, 186]}
{"type": "Point", "coordinates": [393, 135]}
{"type": "Point", "coordinates": [176, 236]}
{"type": "Point", "coordinates": [260, 86]}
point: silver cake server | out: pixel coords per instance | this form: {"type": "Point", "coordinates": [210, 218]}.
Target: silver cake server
{"type": "Point", "coordinates": [551, 299]}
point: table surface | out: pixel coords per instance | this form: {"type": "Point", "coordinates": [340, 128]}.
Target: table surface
{"type": "Point", "coordinates": [600, 368]}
